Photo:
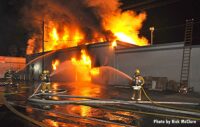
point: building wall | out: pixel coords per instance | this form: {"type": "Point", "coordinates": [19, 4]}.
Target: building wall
{"type": "Point", "coordinates": [35, 67]}
{"type": "Point", "coordinates": [13, 63]}
{"type": "Point", "coordinates": [158, 61]}
{"type": "Point", "coordinates": [101, 55]}
{"type": "Point", "coordinates": [195, 68]}
{"type": "Point", "coordinates": [164, 60]}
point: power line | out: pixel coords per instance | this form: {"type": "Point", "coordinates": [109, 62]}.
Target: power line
{"type": "Point", "coordinates": [171, 27]}
{"type": "Point", "coordinates": [149, 4]}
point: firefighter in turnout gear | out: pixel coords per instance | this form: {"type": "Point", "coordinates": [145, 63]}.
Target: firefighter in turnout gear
{"type": "Point", "coordinates": [137, 83]}
{"type": "Point", "coordinates": [45, 78]}
{"type": "Point", "coordinates": [10, 76]}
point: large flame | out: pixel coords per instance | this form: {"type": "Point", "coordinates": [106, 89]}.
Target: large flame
{"type": "Point", "coordinates": [83, 66]}
{"type": "Point", "coordinates": [125, 26]}
{"type": "Point", "coordinates": [57, 37]}
{"type": "Point", "coordinates": [112, 24]}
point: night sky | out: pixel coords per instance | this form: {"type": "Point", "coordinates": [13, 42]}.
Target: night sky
{"type": "Point", "coordinates": [12, 34]}
{"type": "Point", "coordinates": [168, 21]}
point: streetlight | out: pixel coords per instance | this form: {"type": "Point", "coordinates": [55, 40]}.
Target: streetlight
{"type": "Point", "coordinates": [152, 30]}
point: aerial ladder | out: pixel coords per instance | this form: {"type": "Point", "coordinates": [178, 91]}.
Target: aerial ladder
{"type": "Point", "coordinates": [185, 69]}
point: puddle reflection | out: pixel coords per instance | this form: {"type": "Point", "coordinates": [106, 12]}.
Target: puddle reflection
{"type": "Point", "coordinates": [51, 123]}
{"type": "Point", "coordinates": [86, 89]}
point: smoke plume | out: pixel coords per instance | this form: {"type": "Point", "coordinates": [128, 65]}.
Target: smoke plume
{"type": "Point", "coordinates": [69, 16]}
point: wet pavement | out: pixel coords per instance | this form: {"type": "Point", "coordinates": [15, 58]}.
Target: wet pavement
{"type": "Point", "coordinates": [94, 115]}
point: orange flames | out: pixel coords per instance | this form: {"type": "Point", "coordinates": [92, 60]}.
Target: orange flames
{"type": "Point", "coordinates": [94, 71]}
{"type": "Point", "coordinates": [125, 26]}
{"type": "Point", "coordinates": [56, 38]}
{"type": "Point", "coordinates": [114, 44]}
{"type": "Point", "coordinates": [55, 64]}
{"type": "Point", "coordinates": [83, 67]}
{"type": "Point", "coordinates": [115, 25]}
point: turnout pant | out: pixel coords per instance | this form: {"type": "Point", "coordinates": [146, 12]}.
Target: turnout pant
{"type": "Point", "coordinates": [137, 93]}
{"type": "Point", "coordinates": [46, 87]}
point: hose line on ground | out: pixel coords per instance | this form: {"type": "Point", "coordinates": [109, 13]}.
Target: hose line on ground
{"type": "Point", "coordinates": [88, 101]}
{"type": "Point", "coordinates": [141, 112]}
{"type": "Point", "coordinates": [166, 106]}
{"type": "Point", "coordinates": [52, 102]}
{"type": "Point", "coordinates": [36, 90]}
{"type": "Point", "coordinates": [12, 109]}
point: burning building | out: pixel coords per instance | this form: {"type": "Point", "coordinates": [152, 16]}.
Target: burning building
{"type": "Point", "coordinates": [62, 24]}
{"type": "Point", "coordinates": [163, 60]}
{"type": "Point", "coordinates": [83, 39]}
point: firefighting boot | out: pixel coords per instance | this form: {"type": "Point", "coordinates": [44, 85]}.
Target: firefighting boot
{"type": "Point", "coordinates": [133, 97]}
{"type": "Point", "coordinates": [43, 87]}
{"type": "Point", "coordinates": [139, 95]}
{"type": "Point", "coordinates": [49, 88]}
{"type": "Point", "coordinates": [42, 91]}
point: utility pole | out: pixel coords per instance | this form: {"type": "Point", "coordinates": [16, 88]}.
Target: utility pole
{"type": "Point", "coordinates": [152, 30]}
{"type": "Point", "coordinates": [43, 29]}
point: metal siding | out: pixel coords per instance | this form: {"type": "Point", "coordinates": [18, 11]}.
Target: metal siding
{"type": "Point", "coordinates": [163, 63]}
{"type": "Point", "coordinates": [194, 78]}
{"type": "Point", "coordinates": [158, 60]}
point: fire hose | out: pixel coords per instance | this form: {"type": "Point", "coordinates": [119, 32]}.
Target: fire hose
{"type": "Point", "coordinates": [98, 101]}
{"type": "Point", "coordinates": [149, 113]}
{"type": "Point", "coordinates": [166, 106]}
{"type": "Point", "coordinates": [58, 91]}
{"type": "Point", "coordinates": [110, 108]}
{"type": "Point", "coordinates": [135, 111]}
{"type": "Point", "coordinates": [12, 109]}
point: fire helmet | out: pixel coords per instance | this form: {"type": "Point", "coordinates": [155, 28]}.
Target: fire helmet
{"type": "Point", "coordinates": [45, 71]}
{"type": "Point", "coordinates": [137, 72]}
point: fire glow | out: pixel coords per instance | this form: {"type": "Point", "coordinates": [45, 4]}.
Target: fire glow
{"type": "Point", "coordinates": [59, 38]}
{"type": "Point", "coordinates": [111, 25]}
{"type": "Point", "coordinates": [82, 66]}
{"type": "Point", "coordinates": [55, 64]}
{"type": "Point", "coordinates": [125, 26]}
{"type": "Point", "coordinates": [114, 44]}
{"type": "Point", "coordinates": [84, 70]}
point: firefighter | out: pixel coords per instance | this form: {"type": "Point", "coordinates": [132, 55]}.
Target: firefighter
{"type": "Point", "coordinates": [9, 77]}
{"type": "Point", "coordinates": [137, 83]}
{"type": "Point", "coordinates": [45, 78]}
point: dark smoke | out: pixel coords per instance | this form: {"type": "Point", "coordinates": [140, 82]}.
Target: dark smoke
{"type": "Point", "coordinates": [87, 14]}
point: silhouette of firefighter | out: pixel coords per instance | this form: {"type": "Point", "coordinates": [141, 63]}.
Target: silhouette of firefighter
{"type": "Point", "coordinates": [137, 84]}
{"type": "Point", "coordinates": [10, 76]}
{"type": "Point", "coordinates": [46, 85]}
